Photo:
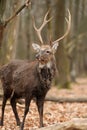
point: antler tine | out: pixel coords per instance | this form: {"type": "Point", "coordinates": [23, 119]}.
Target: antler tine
{"type": "Point", "coordinates": [38, 30]}
{"type": "Point", "coordinates": [68, 29]}
{"type": "Point", "coordinates": [45, 17]}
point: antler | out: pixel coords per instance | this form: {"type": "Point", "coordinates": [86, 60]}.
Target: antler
{"type": "Point", "coordinates": [68, 29]}
{"type": "Point", "coordinates": [38, 30]}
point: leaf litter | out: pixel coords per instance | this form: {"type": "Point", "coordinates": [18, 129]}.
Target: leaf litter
{"type": "Point", "coordinates": [53, 112]}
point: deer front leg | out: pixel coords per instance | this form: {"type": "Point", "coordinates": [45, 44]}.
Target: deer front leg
{"type": "Point", "coordinates": [27, 104]}
{"type": "Point", "coordinates": [40, 104]}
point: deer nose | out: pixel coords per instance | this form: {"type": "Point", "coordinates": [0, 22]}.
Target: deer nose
{"type": "Point", "coordinates": [37, 56]}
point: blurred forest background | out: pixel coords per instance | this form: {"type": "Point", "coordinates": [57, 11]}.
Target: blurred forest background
{"type": "Point", "coordinates": [19, 34]}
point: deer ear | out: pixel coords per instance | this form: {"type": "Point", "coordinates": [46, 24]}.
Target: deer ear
{"type": "Point", "coordinates": [54, 47]}
{"type": "Point", "coordinates": [36, 47]}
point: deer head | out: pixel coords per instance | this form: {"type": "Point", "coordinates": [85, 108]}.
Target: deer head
{"type": "Point", "coordinates": [45, 53]}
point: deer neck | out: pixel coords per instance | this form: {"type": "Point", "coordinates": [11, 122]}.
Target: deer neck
{"type": "Point", "coordinates": [46, 72]}
{"type": "Point", "coordinates": [48, 65]}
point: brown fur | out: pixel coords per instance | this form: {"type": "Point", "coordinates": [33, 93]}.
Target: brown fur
{"type": "Point", "coordinates": [22, 79]}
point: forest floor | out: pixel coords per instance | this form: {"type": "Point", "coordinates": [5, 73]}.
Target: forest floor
{"type": "Point", "coordinates": [53, 112]}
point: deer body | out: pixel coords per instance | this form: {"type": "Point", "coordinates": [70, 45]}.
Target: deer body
{"type": "Point", "coordinates": [28, 77]}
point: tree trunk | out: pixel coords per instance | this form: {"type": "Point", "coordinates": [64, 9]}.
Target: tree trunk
{"type": "Point", "coordinates": [61, 57]}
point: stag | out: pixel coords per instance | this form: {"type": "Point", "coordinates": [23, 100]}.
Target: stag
{"type": "Point", "coordinates": [33, 79]}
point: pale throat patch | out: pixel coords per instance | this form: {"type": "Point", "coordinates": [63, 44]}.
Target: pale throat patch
{"type": "Point", "coordinates": [48, 65]}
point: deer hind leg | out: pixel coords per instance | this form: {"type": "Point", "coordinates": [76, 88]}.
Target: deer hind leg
{"type": "Point", "coordinates": [13, 104]}
{"type": "Point", "coordinates": [40, 103]}
{"type": "Point", "coordinates": [5, 98]}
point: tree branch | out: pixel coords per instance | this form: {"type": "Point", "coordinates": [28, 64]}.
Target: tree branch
{"type": "Point", "coordinates": [58, 99]}
{"type": "Point", "coordinates": [65, 99]}
{"type": "Point", "coordinates": [74, 124]}
{"type": "Point", "coordinates": [3, 24]}
{"type": "Point", "coordinates": [17, 12]}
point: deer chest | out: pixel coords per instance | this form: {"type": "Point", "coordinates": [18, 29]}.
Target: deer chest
{"type": "Point", "coordinates": [45, 76]}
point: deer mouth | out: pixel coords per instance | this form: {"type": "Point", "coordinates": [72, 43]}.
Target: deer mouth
{"type": "Point", "coordinates": [43, 60]}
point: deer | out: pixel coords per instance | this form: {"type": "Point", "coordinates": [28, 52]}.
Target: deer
{"type": "Point", "coordinates": [31, 80]}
